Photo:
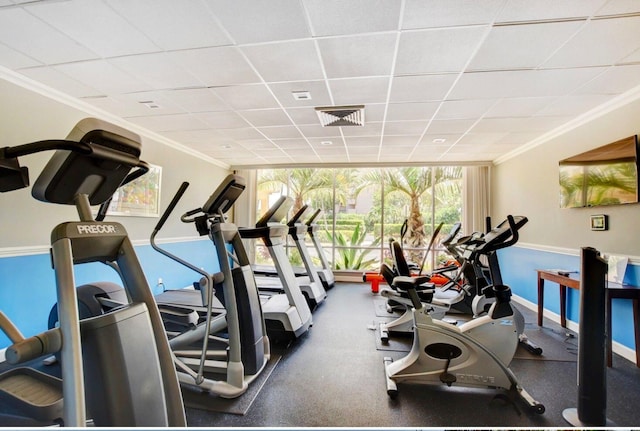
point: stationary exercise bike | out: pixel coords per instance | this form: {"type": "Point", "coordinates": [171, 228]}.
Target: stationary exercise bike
{"type": "Point", "coordinates": [476, 353]}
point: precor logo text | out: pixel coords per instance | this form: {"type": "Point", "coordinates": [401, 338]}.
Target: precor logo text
{"type": "Point", "coordinates": [96, 228]}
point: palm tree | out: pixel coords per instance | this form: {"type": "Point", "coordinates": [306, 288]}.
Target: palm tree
{"type": "Point", "coordinates": [416, 182]}
{"type": "Point", "coordinates": [301, 183]}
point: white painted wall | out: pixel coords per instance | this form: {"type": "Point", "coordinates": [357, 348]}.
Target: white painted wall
{"type": "Point", "coordinates": [528, 185]}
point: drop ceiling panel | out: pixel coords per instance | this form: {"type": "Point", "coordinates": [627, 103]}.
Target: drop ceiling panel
{"type": "Point", "coordinates": [437, 50]}
{"type": "Point", "coordinates": [217, 66]}
{"type": "Point", "coordinates": [405, 127]}
{"type": "Point", "coordinates": [444, 13]}
{"type": "Point", "coordinates": [94, 25]}
{"type": "Point", "coordinates": [190, 100]}
{"type": "Point", "coordinates": [526, 10]}
{"type": "Point", "coordinates": [221, 119]}
{"type": "Point", "coordinates": [280, 132]}
{"type": "Point", "coordinates": [14, 59]}
{"type": "Point", "coordinates": [249, 21]}
{"type": "Point", "coordinates": [285, 61]}
{"type": "Point", "coordinates": [103, 76]}
{"type": "Point", "coordinates": [420, 88]}
{"type": "Point", "coordinates": [336, 17]}
{"type": "Point", "coordinates": [266, 117]}
{"type": "Point", "coordinates": [514, 70]}
{"type": "Point", "coordinates": [317, 89]}
{"type": "Point", "coordinates": [60, 81]}
{"type": "Point", "coordinates": [411, 111]}
{"type": "Point", "coordinates": [242, 97]}
{"type": "Point", "coordinates": [165, 123]}
{"type": "Point", "coordinates": [601, 42]}
{"type": "Point", "coordinates": [355, 56]}
{"type": "Point", "coordinates": [614, 80]}
{"type": "Point", "coordinates": [157, 70]}
{"type": "Point", "coordinates": [358, 91]}
{"type": "Point", "coordinates": [522, 46]}
{"type": "Point", "coordinates": [173, 25]}
{"type": "Point", "coordinates": [521, 83]}
{"type": "Point", "coordinates": [518, 106]}
{"type": "Point", "coordinates": [44, 44]}
{"type": "Point", "coordinates": [460, 109]}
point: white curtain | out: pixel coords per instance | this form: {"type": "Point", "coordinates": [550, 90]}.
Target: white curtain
{"type": "Point", "coordinates": [476, 195]}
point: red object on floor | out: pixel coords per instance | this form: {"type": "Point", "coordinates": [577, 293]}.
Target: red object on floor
{"type": "Point", "coordinates": [375, 279]}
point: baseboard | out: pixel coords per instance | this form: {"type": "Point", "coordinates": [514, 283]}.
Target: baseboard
{"type": "Point", "coordinates": [619, 349]}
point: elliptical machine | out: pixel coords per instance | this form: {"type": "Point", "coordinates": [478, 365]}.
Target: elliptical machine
{"type": "Point", "coordinates": [247, 348]}
{"type": "Point", "coordinates": [475, 354]}
{"type": "Point", "coordinates": [116, 366]}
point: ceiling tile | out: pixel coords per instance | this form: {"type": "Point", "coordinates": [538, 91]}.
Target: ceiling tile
{"type": "Point", "coordinates": [249, 21]}
{"type": "Point", "coordinates": [600, 42]}
{"type": "Point", "coordinates": [421, 88]}
{"type": "Point", "coordinates": [481, 138]}
{"type": "Point", "coordinates": [285, 61]}
{"type": "Point", "coordinates": [244, 133]}
{"type": "Point", "coordinates": [616, 7]}
{"type": "Point", "coordinates": [317, 89]}
{"type": "Point", "coordinates": [318, 131]}
{"type": "Point", "coordinates": [173, 25]}
{"type": "Point", "coordinates": [60, 81]}
{"type": "Point", "coordinates": [526, 10]}
{"type": "Point", "coordinates": [445, 13]}
{"type": "Point", "coordinates": [44, 44]}
{"type": "Point", "coordinates": [459, 109]}
{"type": "Point", "coordinates": [449, 127]}
{"type": "Point", "coordinates": [191, 99]}
{"type": "Point", "coordinates": [128, 105]}
{"type": "Point", "coordinates": [409, 140]}
{"type": "Point", "coordinates": [258, 144]}
{"type": "Point", "coordinates": [13, 59]}
{"type": "Point", "coordinates": [405, 127]}
{"type": "Point", "coordinates": [336, 17]}
{"type": "Point", "coordinates": [280, 132]}
{"type": "Point", "coordinates": [94, 25]}
{"type": "Point", "coordinates": [104, 76]}
{"type": "Point", "coordinates": [163, 123]}
{"type": "Point", "coordinates": [503, 48]}
{"type": "Point", "coordinates": [518, 106]}
{"type": "Point", "coordinates": [217, 66]}
{"type": "Point", "coordinates": [221, 119]}
{"type": "Point", "coordinates": [362, 141]}
{"type": "Point", "coordinates": [354, 56]}
{"type": "Point", "coordinates": [411, 111]}
{"type": "Point", "coordinates": [303, 116]}
{"type": "Point", "coordinates": [437, 50]}
{"type": "Point", "coordinates": [614, 80]}
{"type": "Point", "coordinates": [157, 70]}
{"type": "Point", "coordinates": [523, 125]}
{"type": "Point", "coordinates": [521, 83]}
{"type": "Point", "coordinates": [439, 140]}
{"type": "Point", "coordinates": [369, 129]}
{"type": "Point", "coordinates": [266, 117]}
{"type": "Point", "coordinates": [289, 144]}
{"type": "Point", "coordinates": [573, 105]}
{"type": "Point", "coordinates": [359, 91]}
{"type": "Point", "coordinates": [247, 96]}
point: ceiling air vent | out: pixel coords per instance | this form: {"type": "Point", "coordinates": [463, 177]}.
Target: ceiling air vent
{"type": "Point", "coordinates": [341, 115]}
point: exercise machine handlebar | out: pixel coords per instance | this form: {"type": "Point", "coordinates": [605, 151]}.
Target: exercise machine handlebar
{"type": "Point", "coordinates": [172, 205]}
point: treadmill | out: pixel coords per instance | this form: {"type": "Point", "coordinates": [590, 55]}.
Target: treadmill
{"type": "Point", "coordinates": [269, 278]}
{"type": "Point", "coordinates": [326, 273]}
{"type": "Point", "coordinates": [287, 315]}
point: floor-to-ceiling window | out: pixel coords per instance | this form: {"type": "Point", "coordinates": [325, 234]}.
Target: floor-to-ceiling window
{"type": "Point", "coordinates": [362, 208]}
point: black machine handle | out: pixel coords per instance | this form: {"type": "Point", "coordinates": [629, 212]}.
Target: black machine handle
{"type": "Point", "coordinates": [513, 238]}
{"type": "Point", "coordinates": [172, 205]}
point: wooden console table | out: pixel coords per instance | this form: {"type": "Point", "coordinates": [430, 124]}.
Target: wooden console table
{"type": "Point", "coordinates": [564, 282]}
{"type": "Point", "coordinates": [613, 291]}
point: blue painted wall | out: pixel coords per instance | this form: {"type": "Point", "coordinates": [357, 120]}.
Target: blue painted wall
{"type": "Point", "coordinates": [518, 266]}
{"type": "Point", "coordinates": [27, 283]}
